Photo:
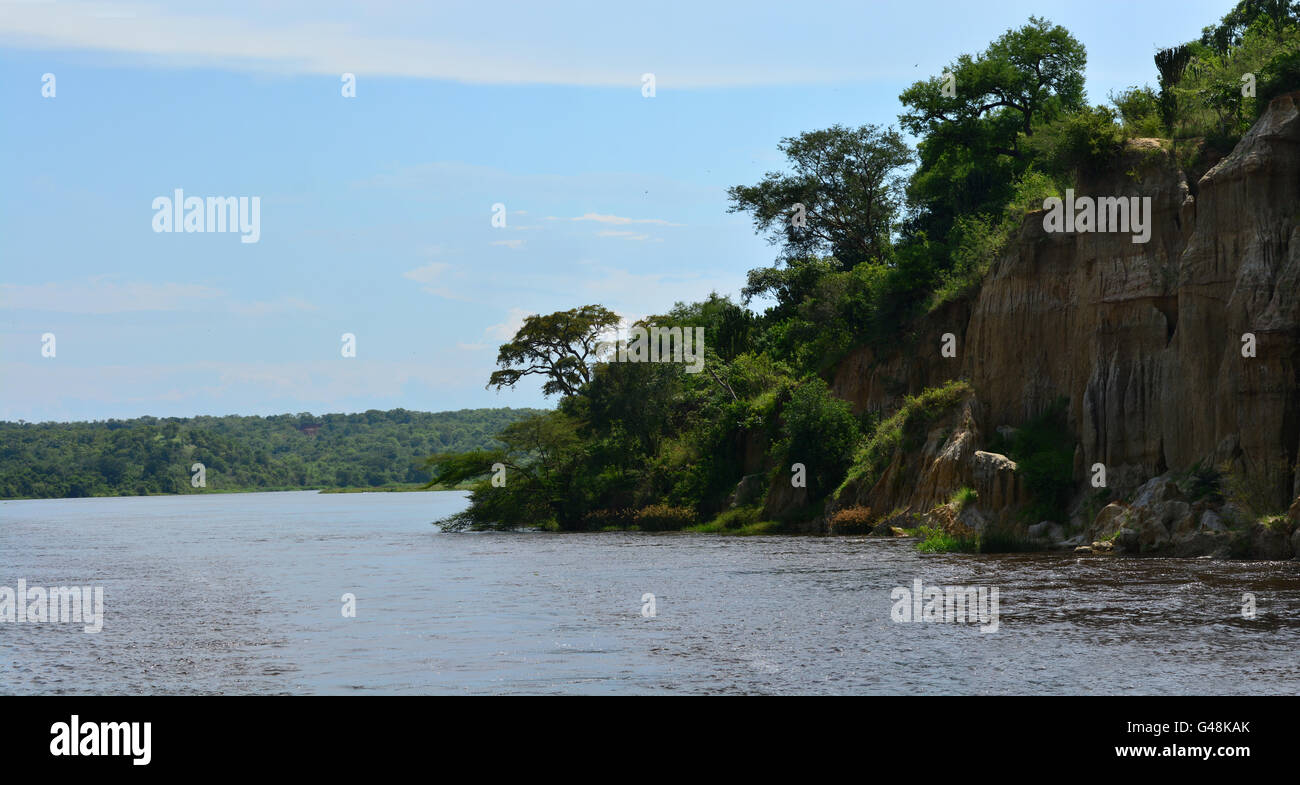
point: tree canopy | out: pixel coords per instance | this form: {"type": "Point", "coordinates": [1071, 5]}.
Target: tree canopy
{"type": "Point", "coordinates": [560, 346]}
{"type": "Point", "coordinates": [840, 201]}
{"type": "Point", "coordinates": [972, 137]}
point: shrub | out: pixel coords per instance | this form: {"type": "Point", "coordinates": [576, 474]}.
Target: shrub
{"type": "Point", "coordinates": [1203, 482]}
{"type": "Point", "coordinates": [741, 521]}
{"type": "Point", "coordinates": [599, 520]}
{"type": "Point", "coordinates": [1261, 494]}
{"type": "Point", "coordinates": [819, 431]}
{"type": "Point", "coordinates": [1139, 112]}
{"type": "Point", "coordinates": [851, 520]}
{"type": "Point", "coordinates": [1079, 143]}
{"type": "Point", "coordinates": [936, 540]}
{"type": "Point", "coordinates": [977, 240]}
{"type": "Point", "coordinates": [903, 429]}
{"type": "Point", "coordinates": [963, 498]}
{"type": "Point", "coordinates": [1280, 75]}
{"type": "Point", "coordinates": [1043, 449]}
{"type": "Point", "coordinates": [663, 517]}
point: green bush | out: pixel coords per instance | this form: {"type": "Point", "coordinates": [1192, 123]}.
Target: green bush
{"type": "Point", "coordinates": [1081, 143]}
{"type": "Point", "coordinates": [976, 241]}
{"type": "Point", "coordinates": [1281, 75]}
{"type": "Point", "coordinates": [1043, 449]}
{"type": "Point", "coordinates": [936, 540]}
{"type": "Point", "coordinates": [963, 498]}
{"type": "Point", "coordinates": [740, 521]}
{"type": "Point", "coordinates": [1209, 98]}
{"type": "Point", "coordinates": [600, 520]}
{"type": "Point", "coordinates": [903, 429]}
{"type": "Point", "coordinates": [819, 431]}
{"type": "Point", "coordinates": [1139, 112]}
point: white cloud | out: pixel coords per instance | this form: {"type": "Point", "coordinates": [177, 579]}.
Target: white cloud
{"type": "Point", "coordinates": [507, 329]}
{"type": "Point", "coordinates": [614, 219]}
{"type": "Point", "coordinates": [264, 307]}
{"type": "Point", "coordinates": [514, 245]}
{"type": "Point", "coordinates": [397, 40]}
{"type": "Point", "coordinates": [638, 236]}
{"type": "Point", "coordinates": [428, 273]}
{"type": "Point", "coordinates": [431, 273]}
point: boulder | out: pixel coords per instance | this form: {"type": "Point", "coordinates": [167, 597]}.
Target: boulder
{"type": "Point", "coordinates": [748, 491]}
{"type": "Point", "coordinates": [1047, 530]}
{"type": "Point", "coordinates": [995, 480]}
{"type": "Point", "coordinates": [1271, 543]}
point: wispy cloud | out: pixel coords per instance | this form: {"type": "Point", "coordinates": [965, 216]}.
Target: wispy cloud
{"type": "Point", "coordinates": [432, 273]}
{"type": "Point", "coordinates": [399, 40]}
{"type": "Point", "coordinates": [638, 236]}
{"type": "Point", "coordinates": [265, 307]}
{"type": "Point", "coordinates": [506, 330]}
{"type": "Point", "coordinates": [511, 244]}
{"type": "Point", "coordinates": [614, 219]}
{"type": "Point", "coordinates": [428, 273]}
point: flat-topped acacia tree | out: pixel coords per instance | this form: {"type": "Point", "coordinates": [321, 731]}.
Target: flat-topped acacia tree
{"type": "Point", "coordinates": [561, 346]}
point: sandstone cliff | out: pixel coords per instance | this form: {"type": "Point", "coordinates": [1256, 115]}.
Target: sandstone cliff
{"type": "Point", "coordinates": [1144, 341]}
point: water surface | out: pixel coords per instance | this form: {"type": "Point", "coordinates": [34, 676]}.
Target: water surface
{"type": "Point", "coordinates": [240, 593]}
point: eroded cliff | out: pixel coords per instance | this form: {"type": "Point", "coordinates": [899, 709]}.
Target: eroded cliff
{"type": "Point", "coordinates": [1172, 355]}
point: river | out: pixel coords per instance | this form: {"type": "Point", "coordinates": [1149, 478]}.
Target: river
{"type": "Point", "coordinates": [243, 593]}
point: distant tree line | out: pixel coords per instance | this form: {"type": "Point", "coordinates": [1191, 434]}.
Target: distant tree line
{"type": "Point", "coordinates": [151, 455]}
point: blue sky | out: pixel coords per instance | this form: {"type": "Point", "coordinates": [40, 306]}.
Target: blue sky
{"type": "Point", "coordinates": [376, 210]}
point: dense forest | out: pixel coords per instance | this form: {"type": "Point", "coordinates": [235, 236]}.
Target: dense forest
{"type": "Point", "coordinates": [871, 235]}
{"type": "Point", "coordinates": [151, 455]}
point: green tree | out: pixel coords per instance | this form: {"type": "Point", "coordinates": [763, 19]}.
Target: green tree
{"type": "Point", "coordinates": [841, 200]}
{"type": "Point", "coordinates": [561, 346]}
{"type": "Point", "coordinates": [971, 149]}
{"type": "Point", "coordinates": [820, 432]}
{"type": "Point", "coordinates": [1232, 28]}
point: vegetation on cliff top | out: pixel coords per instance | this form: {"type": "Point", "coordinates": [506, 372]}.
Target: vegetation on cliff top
{"type": "Point", "coordinates": [870, 236]}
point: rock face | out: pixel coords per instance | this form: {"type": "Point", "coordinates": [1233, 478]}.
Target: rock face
{"type": "Point", "coordinates": [748, 490]}
{"type": "Point", "coordinates": [1164, 520]}
{"type": "Point", "coordinates": [919, 482]}
{"type": "Point", "coordinates": [1146, 341]}
{"type": "Point", "coordinates": [875, 382]}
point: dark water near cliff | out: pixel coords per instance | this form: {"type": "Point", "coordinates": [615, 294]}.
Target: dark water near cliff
{"type": "Point", "coordinates": [241, 594]}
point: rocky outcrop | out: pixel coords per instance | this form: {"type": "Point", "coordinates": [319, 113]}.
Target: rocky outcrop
{"type": "Point", "coordinates": [748, 491]}
{"type": "Point", "coordinates": [918, 482]}
{"type": "Point", "coordinates": [1164, 519]}
{"type": "Point", "coordinates": [1176, 352]}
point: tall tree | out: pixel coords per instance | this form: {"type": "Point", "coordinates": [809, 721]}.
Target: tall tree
{"type": "Point", "coordinates": [972, 121]}
{"type": "Point", "coordinates": [1228, 33]}
{"type": "Point", "coordinates": [560, 346]}
{"type": "Point", "coordinates": [841, 198]}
